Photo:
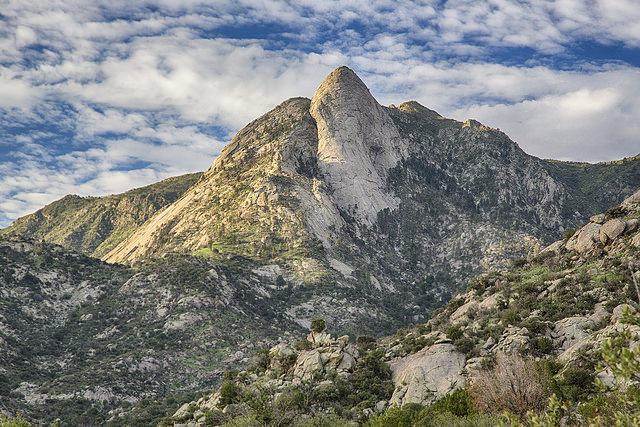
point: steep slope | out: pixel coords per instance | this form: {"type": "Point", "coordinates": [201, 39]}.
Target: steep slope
{"type": "Point", "coordinates": [80, 337]}
{"type": "Point", "coordinates": [95, 225]}
{"type": "Point", "coordinates": [392, 203]}
{"type": "Point", "coordinates": [558, 308]}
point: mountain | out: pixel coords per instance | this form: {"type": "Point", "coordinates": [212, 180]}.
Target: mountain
{"type": "Point", "coordinates": [370, 217]}
{"type": "Point", "coordinates": [80, 337]}
{"type": "Point", "coordinates": [379, 203]}
{"type": "Point", "coordinates": [95, 225]}
{"type": "Point", "coordinates": [563, 308]}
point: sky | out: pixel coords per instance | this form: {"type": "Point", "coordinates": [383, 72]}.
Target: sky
{"type": "Point", "coordinates": [101, 96]}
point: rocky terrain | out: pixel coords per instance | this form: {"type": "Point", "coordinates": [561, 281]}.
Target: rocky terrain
{"type": "Point", "coordinates": [95, 225]}
{"type": "Point", "coordinates": [80, 337]}
{"type": "Point", "coordinates": [334, 207]}
{"type": "Point", "coordinates": [558, 307]}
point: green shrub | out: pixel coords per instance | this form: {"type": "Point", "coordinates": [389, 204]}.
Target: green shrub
{"type": "Point", "coordinates": [366, 342]}
{"type": "Point", "coordinates": [542, 345]}
{"type": "Point", "coordinates": [464, 345]}
{"type": "Point", "coordinates": [229, 393]}
{"type": "Point", "coordinates": [453, 333]}
{"type": "Point", "coordinates": [302, 345]}
{"type": "Point", "coordinates": [318, 325]}
{"type": "Point", "coordinates": [459, 403]}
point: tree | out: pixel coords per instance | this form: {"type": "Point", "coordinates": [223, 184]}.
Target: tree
{"type": "Point", "coordinates": [318, 325]}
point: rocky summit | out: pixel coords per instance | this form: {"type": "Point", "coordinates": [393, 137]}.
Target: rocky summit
{"type": "Point", "coordinates": [333, 207]}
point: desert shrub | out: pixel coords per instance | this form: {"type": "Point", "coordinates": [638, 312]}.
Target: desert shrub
{"type": "Point", "coordinates": [318, 325]}
{"type": "Point", "coordinates": [459, 403]}
{"type": "Point", "coordinates": [515, 385]}
{"type": "Point", "coordinates": [510, 317]}
{"type": "Point", "coordinates": [13, 422]}
{"type": "Point", "coordinates": [302, 345]}
{"type": "Point", "coordinates": [453, 333]}
{"type": "Point", "coordinates": [261, 361]}
{"type": "Point", "coordinates": [576, 383]}
{"type": "Point", "coordinates": [541, 346]}
{"type": "Point", "coordinates": [464, 345]}
{"type": "Point", "coordinates": [366, 342]}
{"type": "Point", "coordinates": [229, 393]}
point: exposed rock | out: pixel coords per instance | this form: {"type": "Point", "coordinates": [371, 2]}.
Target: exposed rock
{"type": "Point", "coordinates": [634, 198]}
{"type": "Point", "coordinates": [463, 312]}
{"type": "Point", "coordinates": [309, 362]}
{"type": "Point", "coordinates": [632, 225]}
{"type": "Point", "coordinates": [568, 331]}
{"type": "Point", "coordinates": [513, 340]}
{"type": "Point", "coordinates": [585, 240]}
{"type": "Point", "coordinates": [598, 219]}
{"type": "Point", "coordinates": [319, 338]}
{"type": "Point", "coordinates": [357, 144]}
{"type": "Point", "coordinates": [612, 229]}
{"type": "Point", "coordinates": [427, 375]}
{"type": "Point", "coordinates": [618, 312]}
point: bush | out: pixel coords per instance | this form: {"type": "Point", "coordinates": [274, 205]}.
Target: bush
{"type": "Point", "coordinates": [302, 345]}
{"type": "Point", "coordinates": [515, 385]}
{"type": "Point", "coordinates": [541, 346]}
{"type": "Point", "coordinates": [459, 403]}
{"type": "Point", "coordinates": [453, 333]}
{"type": "Point", "coordinates": [366, 342]}
{"type": "Point", "coordinates": [318, 325]}
{"type": "Point", "coordinates": [229, 393]}
{"type": "Point", "coordinates": [464, 345]}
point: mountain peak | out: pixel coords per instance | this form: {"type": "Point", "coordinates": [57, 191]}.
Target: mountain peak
{"type": "Point", "coordinates": [357, 144]}
{"type": "Point", "coordinates": [342, 79]}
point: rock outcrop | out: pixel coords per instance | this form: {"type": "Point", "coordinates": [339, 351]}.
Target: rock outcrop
{"type": "Point", "coordinates": [357, 145]}
{"type": "Point", "coordinates": [427, 375]}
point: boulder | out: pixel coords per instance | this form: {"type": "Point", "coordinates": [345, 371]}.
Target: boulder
{"type": "Point", "coordinates": [427, 375]}
{"type": "Point", "coordinates": [319, 338]}
{"type": "Point", "coordinates": [632, 225]}
{"type": "Point", "coordinates": [612, 229]}
{"type": "Point", "coordinates": [308, 363]}
{"type": "Point", "coordinates": [597, 219]}
{"type": "Point", "coordinates": [585, 240]}
{"type": "Point", "coordinates": [569, 331]}
{"type": "Point", "coordinates": [464, 312]}
{"type": "Point", "coordinates": [513, 340]}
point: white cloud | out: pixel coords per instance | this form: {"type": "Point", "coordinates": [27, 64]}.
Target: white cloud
{"type": "Point", "coordinates": [143, 91]}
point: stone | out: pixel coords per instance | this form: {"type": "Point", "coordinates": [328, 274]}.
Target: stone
{"type": "Point", "coordinates": [619, 311]}
{"type": "Point", "coordinates": [513, 340]}
{"type": "Point", "coordinates": [632, 225]}
{"type": "Point", "coordinates": [598, 219]}
{"type": "Point", "coordinates": [357, 145]}
{"type": "Point", "coordinates": [319, 338]}
{"type": "Point", "coordinates": [612, 229]}
{"type": "Point", "coordinates": [568, 331]}
{"type": "Point", "coordinates": [308, 363]}
{"type": "Point", "coordinates": [634, 198]}
{"type": "Point", "coordinates": [280, 350]}
{"type": "Point", "coordinates": [587, 238]}
{"type": "Point", "coordinates": [427, 375]}
{"type": "Point", "coordinates": [462, 314]}
{"type": "Point", "coordinates": [380, 406]}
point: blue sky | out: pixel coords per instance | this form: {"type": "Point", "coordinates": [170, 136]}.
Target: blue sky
{"type": "Point", "coordinates": [97, 97]}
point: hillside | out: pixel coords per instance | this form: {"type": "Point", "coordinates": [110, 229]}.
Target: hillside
{"type": "Point", "coordinates": [374, 203]}
{"type": "Point", "coordinates": [558, 308]}
{"type": "Point", "coordinates": [80, 337]}
{"type": "Point", "coordinates": [95, 225]}
{"type": "Point", "coordinates": [334, 207]}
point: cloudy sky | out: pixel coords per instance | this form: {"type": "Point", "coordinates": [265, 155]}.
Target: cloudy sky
{"type": "Point", "coordinates": [100, 96]}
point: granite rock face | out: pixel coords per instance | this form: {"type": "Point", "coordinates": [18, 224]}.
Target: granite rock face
{"type": "Point", "coordinates": [357, 145]}
{"type": "Point", "coordinates": [427, 375]}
